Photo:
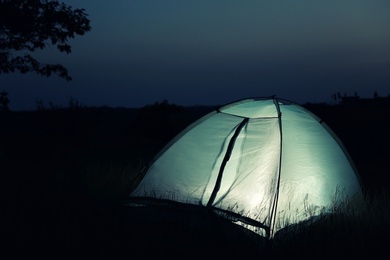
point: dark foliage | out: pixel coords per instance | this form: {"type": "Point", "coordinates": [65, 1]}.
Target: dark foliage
{"type": "Point", "coordinates": [30, 25]}
{"type": "Point", "coordinates": [156, 124]}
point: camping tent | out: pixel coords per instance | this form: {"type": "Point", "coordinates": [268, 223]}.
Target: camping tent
{"type": "Point", "coordinates": [261, 162]}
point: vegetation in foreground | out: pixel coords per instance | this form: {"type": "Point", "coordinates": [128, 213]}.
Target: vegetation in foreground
{"type": "Point", "coordinates": [64, 180]}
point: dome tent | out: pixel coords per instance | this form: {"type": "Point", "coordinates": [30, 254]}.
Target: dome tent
{"type": "Point", "coordinates": [260, 162]}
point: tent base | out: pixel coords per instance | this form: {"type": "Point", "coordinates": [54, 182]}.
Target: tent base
{"type": "Point", "coordinates": [187, 226]}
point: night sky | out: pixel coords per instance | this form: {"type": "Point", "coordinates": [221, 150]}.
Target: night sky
{"type": "Point", "coordinates": [212, 52]}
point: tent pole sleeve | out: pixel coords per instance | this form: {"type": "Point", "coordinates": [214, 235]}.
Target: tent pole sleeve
{"type": "Point", "coordinates": [225, 160]}
{"type": "Point", "coordinates": [275, 203]}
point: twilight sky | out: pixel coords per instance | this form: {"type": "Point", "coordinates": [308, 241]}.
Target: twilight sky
{"type": "Point", "coordinates": [212, 52]}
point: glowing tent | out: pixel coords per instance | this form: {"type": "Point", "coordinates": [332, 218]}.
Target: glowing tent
{"type": "Point", "coordinates": [259, 162]}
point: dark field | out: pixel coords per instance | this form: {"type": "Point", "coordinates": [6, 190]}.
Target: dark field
{"type": "Point", "coordinates": [65, 175]}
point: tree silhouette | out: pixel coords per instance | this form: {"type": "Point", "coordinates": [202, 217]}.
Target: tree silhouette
{"type": "Point", "coordinates": [30, 25]}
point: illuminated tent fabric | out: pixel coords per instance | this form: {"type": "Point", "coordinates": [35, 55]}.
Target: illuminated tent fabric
{"type": "Point", "coordinates": [262, 162]}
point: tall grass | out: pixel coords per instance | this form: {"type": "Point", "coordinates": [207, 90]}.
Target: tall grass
{"type": "Point", "coordinates": [61, 195]}
{"type": "Point", "coordinates": [73, 203]}
{"type": "Point", "coordinates": [357, 227]}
